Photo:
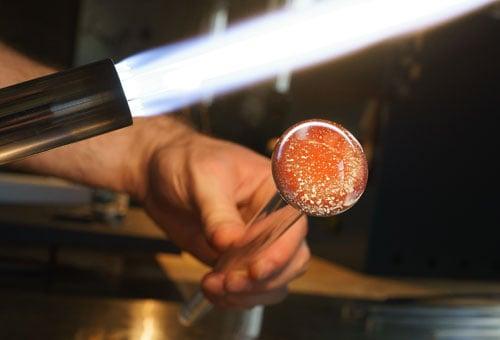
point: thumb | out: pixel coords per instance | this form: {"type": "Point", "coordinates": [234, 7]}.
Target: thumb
{"type": "Point", "coordinates": [222, 222]}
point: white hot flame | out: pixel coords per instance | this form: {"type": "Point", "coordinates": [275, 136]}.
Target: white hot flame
{"type": "Point", "coordinates": [167, 78]}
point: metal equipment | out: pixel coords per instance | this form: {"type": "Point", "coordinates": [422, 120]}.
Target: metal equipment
{"type": "Point", "coordinates": [61, 108]}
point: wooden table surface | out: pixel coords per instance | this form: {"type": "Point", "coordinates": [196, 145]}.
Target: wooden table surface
{"type": "Point", "coordinates": [332, 280]}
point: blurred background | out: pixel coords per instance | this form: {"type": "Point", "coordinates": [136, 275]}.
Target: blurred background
{"type": "Point", "coordinates": [417, 257]}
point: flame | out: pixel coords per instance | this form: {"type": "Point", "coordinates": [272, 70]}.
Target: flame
{"type": "Point", "coordinates": [170, 77]}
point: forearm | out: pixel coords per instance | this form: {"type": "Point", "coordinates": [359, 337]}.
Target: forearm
{"type": "Point", "coordinates": [117, 160]}
{"type": "Point", "coordinates": [16, 68]}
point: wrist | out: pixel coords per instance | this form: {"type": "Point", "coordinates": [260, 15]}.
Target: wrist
{"type": "Point", "coordinates": [151, 135]}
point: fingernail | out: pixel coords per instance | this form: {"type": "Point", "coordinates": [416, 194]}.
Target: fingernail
{"type": "Point", "coordinates": [262, 270]}
{"type": "Point", "coordinates": [237, 282]}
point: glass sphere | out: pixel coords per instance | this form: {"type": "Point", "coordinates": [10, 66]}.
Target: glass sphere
{"type": "Point", "coordinates": [319, 168]}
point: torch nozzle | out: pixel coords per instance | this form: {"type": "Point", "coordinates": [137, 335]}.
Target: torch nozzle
{"type": "Point", "coordinates": [61, 108]}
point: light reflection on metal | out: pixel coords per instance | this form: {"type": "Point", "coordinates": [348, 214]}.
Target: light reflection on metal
{"type": "Point", "coordinates": [59, 109]}
{"type": "Point", "coordinates": [145, 322]}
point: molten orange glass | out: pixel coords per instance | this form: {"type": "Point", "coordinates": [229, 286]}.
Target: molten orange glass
{"type": "Point", "coordinates": [320, 168]}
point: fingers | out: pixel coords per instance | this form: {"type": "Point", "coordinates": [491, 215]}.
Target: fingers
{"type": "Point", "coordinates": [217, 195]}
{"type": "Point", "coordinates": [237, 289]}
{"type": "Point", "coordinates": [289, 251]}
{"type": "Point", "coordinates": [297, 266]}
{"type": "Point", "coordinates": [199, 247]}
{"type": "Point", "coordinates": [222, 222]}
{"type": "Point", "coordinates": [276, 257]}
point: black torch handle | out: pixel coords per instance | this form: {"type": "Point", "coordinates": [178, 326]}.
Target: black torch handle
{"type": "Point", "coordinates": [61, 108]}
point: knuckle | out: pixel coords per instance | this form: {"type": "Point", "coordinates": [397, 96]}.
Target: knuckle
{"type": "Point", "coordinates": [280, 259]}
{"type": "Point", "coordinates": [219, 240]}
{"type": "Point", "coordinates": [221, 228]}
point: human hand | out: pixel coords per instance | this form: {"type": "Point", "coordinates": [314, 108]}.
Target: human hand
{"type": "Point", "coordinates": [201, 191]}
